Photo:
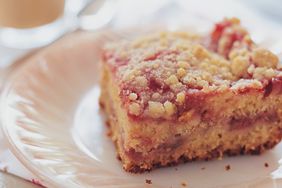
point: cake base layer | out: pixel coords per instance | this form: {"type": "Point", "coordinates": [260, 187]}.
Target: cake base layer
{"type": "Point", "coordinates": [147, 144]}
{"type": "Point", "coordinates": [256, 141]}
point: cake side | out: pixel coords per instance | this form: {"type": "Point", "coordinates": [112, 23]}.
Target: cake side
{"type": "Point", "coordinates": [145, 144]}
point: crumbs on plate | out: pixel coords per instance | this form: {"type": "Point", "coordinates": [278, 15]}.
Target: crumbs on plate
{"type": "Point", "coordinates": [148, 181]}
{"type": "Point", "coordinates": [183, 184]}
{"type": "Point", "coordinates": [227, 167]}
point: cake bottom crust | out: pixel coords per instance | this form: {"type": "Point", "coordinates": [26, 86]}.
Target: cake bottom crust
{"type": "Point", "coordinates": [216, 154]}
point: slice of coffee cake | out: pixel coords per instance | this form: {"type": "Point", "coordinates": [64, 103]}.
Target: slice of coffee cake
{"type": "Point", "coordinates": [174, 96]}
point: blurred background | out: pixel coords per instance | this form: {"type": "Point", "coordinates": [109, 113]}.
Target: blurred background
{"type": "Point", "coordinates": [30, 24]}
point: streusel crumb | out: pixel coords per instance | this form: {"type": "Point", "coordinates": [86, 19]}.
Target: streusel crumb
{"type": "Point", "coordinates": [157, 72]}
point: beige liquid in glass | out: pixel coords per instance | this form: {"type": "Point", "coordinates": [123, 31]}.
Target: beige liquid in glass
{"type": "Point", "coordinates": [29, 13]}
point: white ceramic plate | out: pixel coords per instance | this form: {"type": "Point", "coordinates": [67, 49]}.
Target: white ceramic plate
{"type": "Point", "coordinates": [51, 118]}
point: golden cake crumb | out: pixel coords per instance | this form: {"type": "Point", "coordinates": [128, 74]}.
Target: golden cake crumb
{"type": "Point", "coordinates": [240, 66]}
{"type": "Point", "coordinates": [171, 80]}
{"type": "Point", "coordinates": [264, 58]}
{"type": "Point", "coordinates": [200, 52]}
{"type": "Point", "coordinates": [141, 81]}
{"type": "Point", "coordinates": [156, 109]}
{"type": "Point", "coordinates": [133, 96]}
{"type": "Point", "coordinates": [181, 72]}
{"type": "Point", "coordinates": [156, 96]}
{"type": "Point", "coordinates": [180, 97]}
{"type": "Point", "coordinates": [169, 108]}
{"type": "Point", "coordinates": [183, 64]}
{"type": "Point", "coordinates": [134, 109]}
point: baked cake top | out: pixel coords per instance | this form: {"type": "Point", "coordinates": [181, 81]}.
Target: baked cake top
{"type": "Point", "coordinates": [156, 73]}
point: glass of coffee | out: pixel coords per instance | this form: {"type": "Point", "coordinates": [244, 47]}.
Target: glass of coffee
{"type": "Point", "coordinates": [33, 23]}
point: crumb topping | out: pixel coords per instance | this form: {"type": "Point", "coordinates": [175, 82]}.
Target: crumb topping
{"type": "Point", "coordinates": [156, 73]}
